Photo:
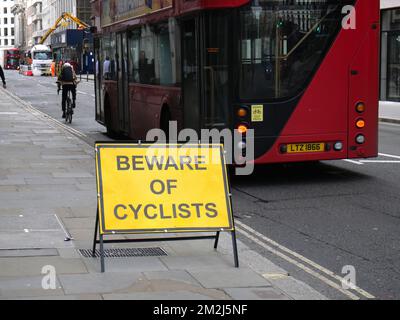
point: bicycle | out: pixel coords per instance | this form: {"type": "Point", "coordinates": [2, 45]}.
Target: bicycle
{"type": "Point", "coordinates": [68, 108]}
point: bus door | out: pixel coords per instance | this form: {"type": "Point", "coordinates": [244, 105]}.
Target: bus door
{"type": "Point", "coordinates": [215, 70]}
{"type": "Point", "coordinates": [191, 74]}
{"type": "Point", "coordinates": [205, 71]}
{"type": "Point", "coordinates": [98, 82]}
{"type": "Point", "coordinates": [123, 89]}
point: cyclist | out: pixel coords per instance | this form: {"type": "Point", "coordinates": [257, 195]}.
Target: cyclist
{"type": "Point", "coordinates": [67, 80]}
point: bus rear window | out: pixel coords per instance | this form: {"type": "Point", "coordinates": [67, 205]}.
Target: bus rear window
{"type": "Point", "coordinates": [282, 45]}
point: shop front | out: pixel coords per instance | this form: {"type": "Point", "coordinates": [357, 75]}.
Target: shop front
{"type": "Point", "coordinates": [76, 47]}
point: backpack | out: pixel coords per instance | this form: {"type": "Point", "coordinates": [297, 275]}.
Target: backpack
{"type": "Point", "coordinates": [67, 74]}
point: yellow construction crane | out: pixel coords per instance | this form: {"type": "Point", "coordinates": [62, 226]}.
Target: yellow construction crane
{"type": "Point", "coordinates": [64, 20]}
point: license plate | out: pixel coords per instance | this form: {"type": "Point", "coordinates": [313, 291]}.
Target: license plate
{"type": "Point", "coordinates": [305, 147]}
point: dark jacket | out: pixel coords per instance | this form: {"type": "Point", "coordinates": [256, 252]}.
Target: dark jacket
{"type": "Point", "coordinates": [2, 75]}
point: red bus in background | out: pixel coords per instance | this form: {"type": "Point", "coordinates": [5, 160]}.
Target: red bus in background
{"type": "Point", "coordinates": [287, 69]}
{"type": "Point", "coordinates": [11, 59]}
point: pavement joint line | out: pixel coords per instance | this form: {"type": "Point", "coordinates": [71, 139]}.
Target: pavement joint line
{"type": "Point", "coordinates": [300, 257]}
{"type": "Point", "coordinates": [276, 276]}
{"type": "Point", "coordinates": [300, 265]}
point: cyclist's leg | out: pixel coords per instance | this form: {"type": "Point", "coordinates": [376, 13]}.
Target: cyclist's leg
{"type": "Point", "coordinates": [73, 90]}
{"type": "Point", "coordinates": [64, 98]}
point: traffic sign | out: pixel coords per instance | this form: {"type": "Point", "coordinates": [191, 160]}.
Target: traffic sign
{"type": "Point", "coordinates": [159, 188]}
{"type": "Point", "coordinates": [162, 188]}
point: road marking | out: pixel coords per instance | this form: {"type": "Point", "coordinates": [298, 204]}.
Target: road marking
{"type": "Point", "coordinates": [8, 113]}
{"type": "Point", "coordinates": [299, 265]}
{"type": "Point", "coordinates": [354, 162]}
{"type": "Point", "coordinates": [380, 161]}
{"type": "Point", "coordinates": [251, 233]}
{"type": "Point", "coordinates": [389, 156]}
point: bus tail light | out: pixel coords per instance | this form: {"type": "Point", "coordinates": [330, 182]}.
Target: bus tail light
{"type": "Point", "coordinates": [242, 112]}
{"type": "Point", "coordinates": [242, 129]}
{"type": "Point", "coordinates": [338, 146]}
{"type": "Point", "coordinates": [360, 139]}
{"type": "Point", "coordinates": [360, 107]}
{"type": "Point", "coordinates": [360, 124]}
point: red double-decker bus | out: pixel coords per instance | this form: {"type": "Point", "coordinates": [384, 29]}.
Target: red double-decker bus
{"type": "Point", "coordinates": [11, 59]}
{"type": "Point", "coordinates": [302, 74]}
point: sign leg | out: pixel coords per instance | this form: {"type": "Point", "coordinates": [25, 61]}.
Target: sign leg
{"type": "Point", "coordinates": [235, 251]}
{"type": "Point", "coordinates": [96, 228]}
{"type": "Point", "coordinates": [216, 240]}
{"type": "Point", "coordinates": [102, 254]}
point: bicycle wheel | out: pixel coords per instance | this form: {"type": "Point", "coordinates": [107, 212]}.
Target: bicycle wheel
{"type": "Point", "coordinates": [68, 115]}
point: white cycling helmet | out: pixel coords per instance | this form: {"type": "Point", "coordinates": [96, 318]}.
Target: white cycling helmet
{"type": "Point", "coordinates": [67, 64]}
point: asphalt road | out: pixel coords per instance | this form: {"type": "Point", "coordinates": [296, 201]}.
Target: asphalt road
{"type": "Point", "coordinates": [311, 219]}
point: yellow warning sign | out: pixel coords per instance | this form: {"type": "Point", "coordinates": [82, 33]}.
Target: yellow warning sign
{"type": "Point", "coordinates": [257, 113]}
{"type": "Point", "coordinates": [151, 188]}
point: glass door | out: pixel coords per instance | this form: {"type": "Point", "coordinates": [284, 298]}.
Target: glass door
{"type": "Point", "coordinates": [205, 58]}
{"type": "Point", "coordinates": [123, 82]}
{"type": "Point", "coordinates": [215, 70]}
{"type": "Point", "coordinates": [191, 74]}
{"type": "Point", "coordinates": [98, 81]}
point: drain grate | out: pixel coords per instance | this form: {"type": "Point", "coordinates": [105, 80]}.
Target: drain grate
{"type": "Point", "coordinates": [125, 252]}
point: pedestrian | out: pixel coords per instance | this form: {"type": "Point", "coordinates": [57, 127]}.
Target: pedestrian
{"type": "Point", "coordinates": [2, 77]}
{"type": "Point", "coordinates": [107, 69]}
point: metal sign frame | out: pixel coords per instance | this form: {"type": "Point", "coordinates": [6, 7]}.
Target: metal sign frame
{"type": "Point", "coordinates": [99, 236]}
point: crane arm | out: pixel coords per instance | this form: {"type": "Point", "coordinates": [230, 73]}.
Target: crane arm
{"type": "Point", "coordinates": [78, 21]}
{"type": "Point", "coordinates": [67, 18]}
{"type": "Point", "coordinates": [51, 30]}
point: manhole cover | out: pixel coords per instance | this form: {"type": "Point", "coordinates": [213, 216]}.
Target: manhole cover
{"type": "Point", "coordinates": [124, 252]}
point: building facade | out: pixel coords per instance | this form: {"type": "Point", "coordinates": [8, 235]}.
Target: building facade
{"type": "Point", "coordinates": [18, 10]}
{"type": "Point", "coordinates": [390, 50]}
{"type": "Point", "coordinates": [7, 29]}
{"type": "Point", "coordinates": [68, 43]}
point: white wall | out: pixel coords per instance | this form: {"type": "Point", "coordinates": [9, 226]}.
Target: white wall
{"type": "Point", "coordinates": [9, 26]}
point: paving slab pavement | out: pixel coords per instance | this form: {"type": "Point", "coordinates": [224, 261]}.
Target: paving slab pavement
{"type": "Point", "coordinates": [48, 189]}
